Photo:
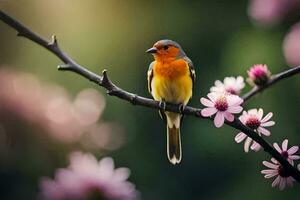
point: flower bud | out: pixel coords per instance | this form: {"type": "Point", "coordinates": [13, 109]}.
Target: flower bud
{"type": "Point", "coordinates": [258, 75]}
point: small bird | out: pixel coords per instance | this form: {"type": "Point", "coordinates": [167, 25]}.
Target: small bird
{"type": "Point", "coordinates": [170, 79]}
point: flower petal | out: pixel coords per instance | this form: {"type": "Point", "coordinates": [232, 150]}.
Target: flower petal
{"type": "Point", "coordinates": [267, 124]}
{"type": "Point", "coordinates": [255, 146]}
{"type": "Point", "coordinates": [294, 157]}
{"type": "Point", "coordinates": [276, 146]}
{"type": "Point", "coordinates": [253, 111]}
{"type": "Point", "coordinates": [106, 164]}
{"type": "Point", "coordinates": [260, 113]}
{"type": "Point", "coordinates": [235, 109]}
{"type": "Point", "coordinates": [247, 144]}
{"type": "Point", "coordinates": [242, 119]}
{"type": "Point", "coordinates": [264, 131]}
{"type": "Point", "coordinates": [267, 117]}
{"type": "Point", "coordinates": [285, 145]}
{"type": "Point", "coordinates": [290, 181]}
{"type": "Point", "coordinates": [213, 96]}
{"type": "Point", "coordinates": [293, 150]}
{"type": "Point", "coordinates": [206, 102]}
{"type": "Point", "coordinates": [282, 183]}
{"type": "Point", "coordinates": [228, 116]}
{"type": "Point", "coordinates": [240, 137]}
{"type": "Point", "coordinates": [269, 171]}
{"type": "Point", "coordinates": [234, 100]}
{"type": "Point", "coordinates": [270, 165]}
{"type": "Point", "coordinates": [276, 181]}
{"type": "Point", "coordinates": [121, 174]}
{"type": "Point", "coordinates": [270, 175]}
{"type": "Point", "coordinates": [206, 112]}
{"type": "Point", "coordinates": [219, 119]}
{"type": "Point", "coordinates": [218, 83]}
{"type": "Point", "coordinates": [274, 161]}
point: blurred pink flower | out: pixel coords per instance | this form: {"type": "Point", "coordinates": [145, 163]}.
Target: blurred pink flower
{"type": "Point", "coordinates": [223, 105]}
{"type": "Point", "coordinates": [267, 11]}
{"type": "Point", "coordinates": [86, 177]}
{"type": "Point", "coordinates": [287, 153]}
{"type": "Point", "coordinates": [49, 107]}
{"type": "Point", "coordinates": [254, 120]}
{"type": "Point", "coordinates": [291, 46]}
{"type": "Point", "coordinates": [231, 85]}
{"type": "Point", "coordinates": [282, 180]}
{"type": "Point", "coordinates": [259, 74]}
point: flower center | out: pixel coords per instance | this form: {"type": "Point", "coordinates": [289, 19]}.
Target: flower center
{"type": "Point", "coordinates": [253, 122]}
{"type": "Point", "coordinates": [285, 154]}
{"type": "Point", "coordinates": [231, 90]}
{"type": "Point", "coordinates": [221, 104]}
{"type": "Point", "coordinates": [94, 193]}
{"type": "Point", "coordinates": [283, 172]}
{"type": "Point", "coordinates": [259, 72]}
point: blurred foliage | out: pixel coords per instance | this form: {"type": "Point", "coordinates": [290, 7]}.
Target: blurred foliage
{"type": "Point", "coordinates": [220, 39]}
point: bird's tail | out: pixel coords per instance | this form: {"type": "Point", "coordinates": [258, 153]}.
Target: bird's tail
{"type": "Point", "coordinates": [173, 137]}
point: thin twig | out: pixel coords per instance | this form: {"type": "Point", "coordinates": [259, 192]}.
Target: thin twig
{"type": "Point", "coordinates": [112, 89]}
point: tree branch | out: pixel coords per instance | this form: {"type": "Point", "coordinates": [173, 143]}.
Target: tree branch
{"type": "Point", "coordinates": [113, 90]}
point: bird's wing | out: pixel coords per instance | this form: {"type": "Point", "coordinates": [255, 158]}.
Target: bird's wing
{"type": "Point", "coordinates": [191, 68]}
{"type": "Point", "coordinates": [150, 76]}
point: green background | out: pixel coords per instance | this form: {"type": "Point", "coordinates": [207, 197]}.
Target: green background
{"type": "Point", "coordinates": [220, 39]}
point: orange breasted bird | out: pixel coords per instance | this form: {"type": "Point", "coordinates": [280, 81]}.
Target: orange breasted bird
{"type": "Point", "coordinates": [170, 79]}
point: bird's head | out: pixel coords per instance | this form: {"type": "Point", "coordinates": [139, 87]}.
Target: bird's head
{"type": "Point", "coordinates": [166, 49]}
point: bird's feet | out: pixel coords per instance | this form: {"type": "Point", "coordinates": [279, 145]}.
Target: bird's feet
{"type": "Point", "coordinates": [162, 105]}
{"type": "Point", "coordinates": [181, 108]}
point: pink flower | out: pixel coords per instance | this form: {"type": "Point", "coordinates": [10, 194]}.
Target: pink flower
{"type": "Point", "coordinates": [231, 85]}
{"type": "Point", "coordinates": [267, 11]}
{"type": "Point", "coordinates": [258, 75]}
{"type": "Point", "coordinates": [287, 153]}
{"type": "Point", "coordinates": [291, 46]}
{"type": "Point", "coordinates": [86, 177]}
{"type": "Point", "coordinates": [49, 109]}
{"type": "Point", "coordinates": [254, 120]}
{"type": "Point", "coordinates": [282, 180]}
{"type": "Point", "coordinates": [223, 105]}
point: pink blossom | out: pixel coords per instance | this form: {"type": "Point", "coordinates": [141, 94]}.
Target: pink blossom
{"type": "Point", "coordinates": [287, 153]}
{"type": "Point", "coordinates": [268, 11]}
{"type": "Point", "coordinates": [259, 74]}
{"type": "Point", "coordinates": [50, 109]}
{"type": "Point", "coordinates": [231, 85]}
{"type": "Point", "coordinates": [254, 119]}
{"type": "Point", "coordinates": [291, 46]}
{"type": "Point", "coordinates": [282, 180]}
{"type": "Point", "coordinates": [223, 105]}
{"type": "Point", "coordinates": [85, 177]}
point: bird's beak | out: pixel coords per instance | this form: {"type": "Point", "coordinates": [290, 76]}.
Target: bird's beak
{"type": "Point", "coordinates": [152, 50]}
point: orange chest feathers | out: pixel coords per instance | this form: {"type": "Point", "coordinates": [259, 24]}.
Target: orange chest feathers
{"type": "Point", "coordinates": [172, 69]}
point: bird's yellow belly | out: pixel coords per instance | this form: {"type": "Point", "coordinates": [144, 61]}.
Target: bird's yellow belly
{"type": "Point", "coordinates": [177, 90]}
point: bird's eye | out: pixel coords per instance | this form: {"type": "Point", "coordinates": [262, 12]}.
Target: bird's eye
{"type": "Point", "coordinates": [166, 47]}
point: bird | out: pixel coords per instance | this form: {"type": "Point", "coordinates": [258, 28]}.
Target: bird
{"type": "Point", "coordinates": [171, 77]}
